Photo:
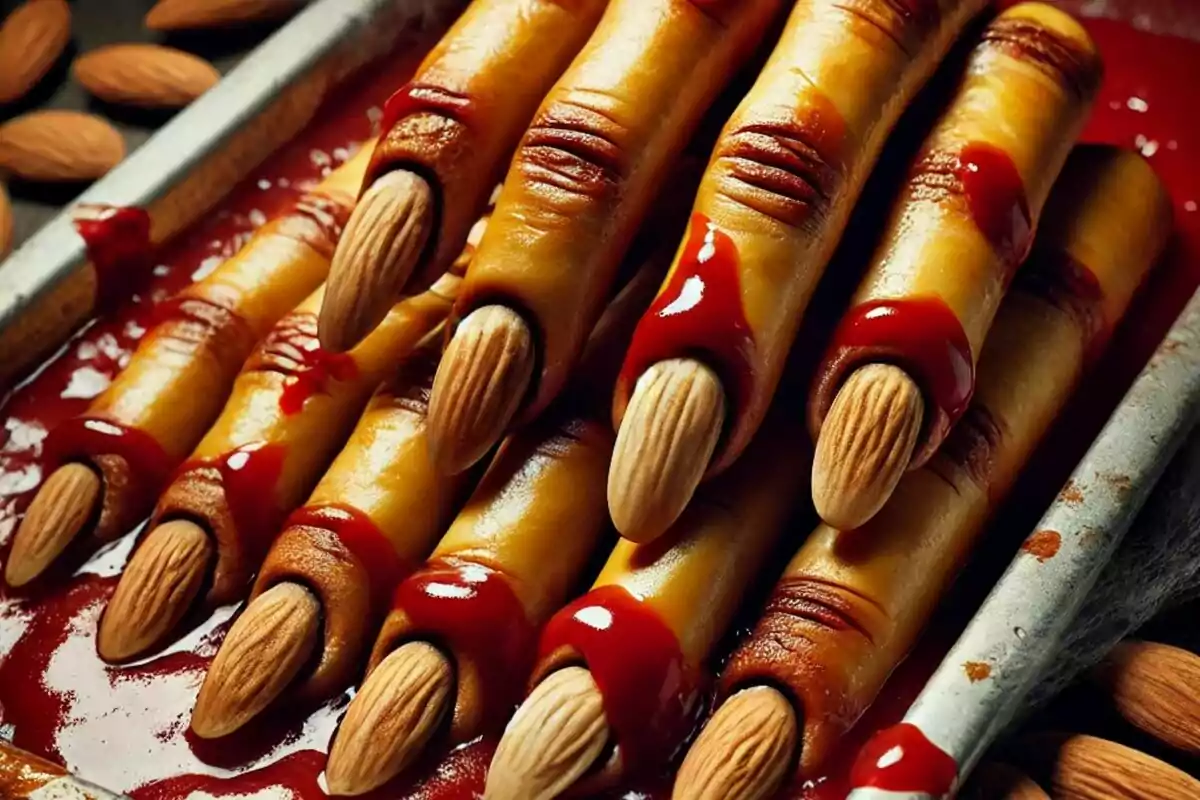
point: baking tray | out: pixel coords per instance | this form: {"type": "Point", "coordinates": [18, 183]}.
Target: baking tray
{"type": "Point", "coordinates": [48, 286]}
{"type": "Point", "coordinates": [317, 49]}
{"type": "Point", "coordinates": [96, 23]}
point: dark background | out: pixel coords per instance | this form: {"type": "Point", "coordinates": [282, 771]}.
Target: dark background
{"type": "Point", "coordinates": [95, 23]}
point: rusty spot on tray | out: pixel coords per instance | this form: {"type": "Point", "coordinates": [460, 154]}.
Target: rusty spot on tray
{"type": "Point", "coordinates": [1071, 494]}
{"type": "Point", "coordinates": [977, 671]}
{"type": "Point", "coordinates": [1121, 483]}
{"type": "Point", "coordinates": [1043, 545]}
{"type": "Point", "coordinates": [1088, 537]}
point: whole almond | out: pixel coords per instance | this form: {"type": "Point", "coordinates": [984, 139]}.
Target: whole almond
{"type": "Point", "coordinates": [1153, 686]}
{"type": "Point", "coordinates": [174, 15]}
{"type": "Point", "coordinates": [59, 146]}
{"type": "Point", "coordinates": [145, 75]}
{"type": "Point", "coordinates": [1081, 767]}
{"type": "Point", "coordinates": [746, 750]}
{"type": "Point", "coordinates": [31, 40]}
{"type": "Point", "coordinates": [6, 224]}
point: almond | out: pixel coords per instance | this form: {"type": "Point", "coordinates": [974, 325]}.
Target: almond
{"type": "Point", "coordinates": [161, 581]}
{"type": "Point", "coordinates": [391, 719]}
{"type": "Point", "coordinates": [264, 651]}
{"type": "Point", "coordinates": [31, 40]}
{"type": "Point", "coordinates": [58, 513]}
{"type": "Point", "coordinates": [1081, 767]}
{"type": "Point", "coordinates": [746, 750]}
{"type": "Point", "coordinates": [1153, 686]}
{"type": "Point", "coordinates": [865, 444]}
{"type": "Point", "coordinates": [664, 445]}
{"type": "Point", "coordinates": [59, 146]}
{"type": "Point", "coordinates": [555, 737]}
{"type": "Point", "coordinates": [174, 15]}
{"type": "Point", "coordinates": [6, 224]}
{"type": "Point", "coordinates": [145, 75]}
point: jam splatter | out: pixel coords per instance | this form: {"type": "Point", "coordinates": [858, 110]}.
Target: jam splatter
{"type": "Point", "coordinates": [1043, 545]}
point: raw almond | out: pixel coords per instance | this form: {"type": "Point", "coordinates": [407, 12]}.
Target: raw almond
{"type": "Point", "coordinates": [174, 15]}
{"type": "Point", "coordinates": [145, 75]}
{"type": "Point", "coordinates": [6, 224]}
{"type": "Point", "coordinates": [31, 40]}
{"type": "Point", "coordinates": [746, 750]}
{"type": "Point", "coordinates": [1153, 686]}
{"type": "Point", "coordinates": [59, 146]}
{"type": "Point", "coordinates": [1081, 767]}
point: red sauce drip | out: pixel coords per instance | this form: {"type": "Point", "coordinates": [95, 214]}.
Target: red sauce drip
{"type": "Point", "coordinates": [65, 704]}
{"type": "Point", "coordinates": [924, 337]}
{"type": "Point", "coordinates": [698, 313]}
{"type": "Point", "coordinates": [362, 538]}
{"type": "Point", "coordinates": [417, 98]}
{"type": "Point", "coordinates": [474, 611]}
{"type": "Point", "coordinates": [650, 693]}
{"type": "Point", "coordinates": [118, 245]}
{"type": "Point", "coordinates": [314, 375]}
{"type": "Point", "coordinates": [249, 476]}
{"type": "Point", "coordinates": [902, 759]}
{"type": "Point", "coordinates": [84, 438]}
{"type": "Point", "coordinates": [996, 196]}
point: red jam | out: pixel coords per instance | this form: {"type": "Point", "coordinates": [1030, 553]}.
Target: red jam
{"type": "Point", "coordinates": [67, 705]}
{"type": "Point", "coordinates": [651, 695]}
{"type": "Point", "coordinates": [920, 334]}
{"type": "Point", "coordinates": [996, 196]}
{"type": "Point", "coordinates": [118, 246]}
{"type": "Point", "coordinates": [902, 759]}
{"type": "Point", "coordinates": [699, 312]}
{"type": "Point", "coordinates": [364, 541]}
{"type": "Point", "coordinates": [86, 437]}
{"type": "Point", "coordinates": [249, 477]}
{"type": "Point", "coordinates": [472, 609]}
{"type": "Point", "coordinates": [314, 370]}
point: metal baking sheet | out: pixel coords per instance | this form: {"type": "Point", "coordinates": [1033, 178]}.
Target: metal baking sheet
{"type": "Point", "coordinates": [96, 23]}
{"type": "Point", "coordinates": [192, 161]}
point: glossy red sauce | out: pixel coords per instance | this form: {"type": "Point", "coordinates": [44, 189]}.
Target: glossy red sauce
{"type": "Point", "coordinates": [362, 538]}
{"type": "Point", "coordinates": [82, 437]}
{"type": "Point", "coordinates": [125, 728]}
{"type": "Point", "coordinates": [651, 695]}
{"type": "Point", "coordinates": [698, 313]}
{"type": "Point", "coordinates": [920, 334]}
{"type": "Point", "coordinates": [472, 610]}
{"type": "Point", "coordinates": [902, 759]}
{"type": "Point", "coordinates": [310, 368]}
{"type": "Point", "coordinates": [118, 247]}
{"type": "Point", "coordinates": [995, 194]}
{"type": "Point", "coordinates": [249, 477]}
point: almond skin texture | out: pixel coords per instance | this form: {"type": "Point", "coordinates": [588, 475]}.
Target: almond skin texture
{"type": "Point", "coordinates": [666, 440]}
{"type": "Point", "coordinates": [162, 579]}
{"type": "Point", "coordinates": [745, 751]}
{"type": "Point", "coordinates": [554, 738]}
{"type": "Point", "coordinates": [61, 508]}
{"type": "Point", "coordinates": [394, 715]}
{"type": "Point", "coordinates": [31, 40]}
{"type": "Point", "coordinates": [145, 75]}
{"type": "Point", "coordinates": [53, 146]}
{"type": "Point", "coordinates": [1081, 767]}
{"type": "Point", "coordinates": [1153, 686]}
{"type": "Point", "coordinates": [262, 654]}
{"type": "Point", "coordinates": [866, 444]}
{"type": "Point", "coordinates": [177, 15]}
{"type": "Point", "coordinates": [479, 386]}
